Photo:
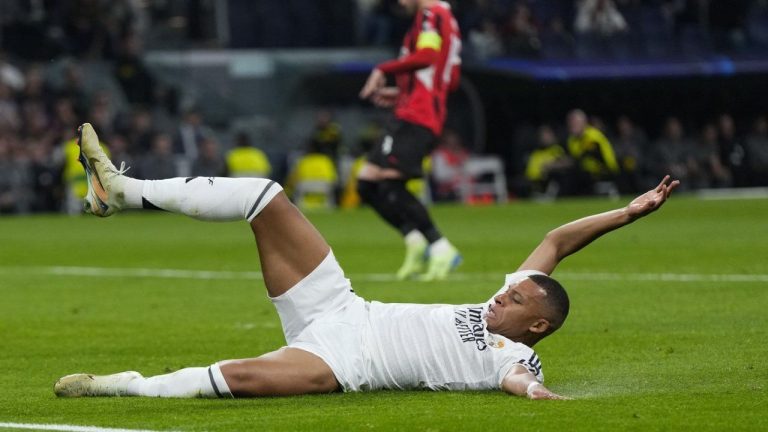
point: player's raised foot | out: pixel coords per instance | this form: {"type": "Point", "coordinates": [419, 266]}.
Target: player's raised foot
{"type": "Point", "coordinates": [415, 255]}
{"type": "Point", "coordinates": [442, 260]}
{"type": "Point", "coordinates": [105, 182]}
{"type": "Point", "coordinates": [79, 385]}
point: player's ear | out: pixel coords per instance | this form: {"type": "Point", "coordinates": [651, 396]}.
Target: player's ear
{"type": "Point", "coordinates": [539, 326]}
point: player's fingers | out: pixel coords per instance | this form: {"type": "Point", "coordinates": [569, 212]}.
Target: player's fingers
{"type": "Point", "coordinates": [662, 183]}
{"type": "Point", "coordinates": [672, 187]}
{"type": "Point", "coordinates": [366, 91]}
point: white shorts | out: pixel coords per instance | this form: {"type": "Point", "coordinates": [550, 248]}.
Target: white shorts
{"type": "Point", "coordinates": [322, 315]}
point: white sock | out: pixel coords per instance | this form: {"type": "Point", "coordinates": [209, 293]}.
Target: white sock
{"type": "Point", "coordinates": [186, 383]}
{"type": "Point", "coordinates": [442, 245]}
{"type": "Point", "coordinates": [206, 198]}
{"type": "Point", "coordinates": [414, 237]}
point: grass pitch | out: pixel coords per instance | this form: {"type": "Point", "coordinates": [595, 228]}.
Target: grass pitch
{"type": "Point", "coordinates": [668, 326]}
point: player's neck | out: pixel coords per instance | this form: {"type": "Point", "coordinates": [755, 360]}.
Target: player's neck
{"type": "Point", "coordinates": [423, 4]}
{"type": "Point", "coordinates": [528, 340]}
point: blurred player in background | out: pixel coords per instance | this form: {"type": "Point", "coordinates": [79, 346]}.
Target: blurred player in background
{"type": "Point", "coordinates": [426, 71]}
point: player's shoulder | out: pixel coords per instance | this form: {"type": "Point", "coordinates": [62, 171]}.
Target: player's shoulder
{"type": "Point", "coordinates": [439, 8]}
{"type": "Point", "coordinates": [512, 353]}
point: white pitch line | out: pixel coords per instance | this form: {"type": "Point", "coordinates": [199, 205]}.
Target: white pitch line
{"type": "Point", "coordinates": [67, 428]}
{"type": "Point", "coordinates": [374, 277]}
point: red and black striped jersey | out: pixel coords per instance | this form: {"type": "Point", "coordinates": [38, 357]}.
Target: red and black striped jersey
{"type": "Point", "coordinates": [428, 67]}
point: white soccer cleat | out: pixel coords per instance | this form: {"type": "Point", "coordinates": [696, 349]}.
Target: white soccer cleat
{"type": "Point", "coordinates": [415, 254]}
{"type": "Point", "coordinates": [79, 385]}
{"type": "Point", "coordinates": [442, 263]}
{"type": "Point", "coordinates": [105, 182]}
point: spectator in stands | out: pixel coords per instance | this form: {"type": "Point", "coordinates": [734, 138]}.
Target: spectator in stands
{"type": "Point", "coordinates": [10, 119]}
{"type": "Point", "coordinates": [65, 118]}
{"type": "Point", "coordinates": [73, 88]}
{"type": "Point", "coordinates": [119, 148]}
{"type": "Point", "coordinates": [10, 75]}
{"type": "Point", "coordinates": [520, 34]}
{"type": "Point", "coordinates": [327, 134]}
{"type": "Point", "coordinates": [140, 132]}
{"type": "Point", "coordinates": [101, 112]}
{"type": "Point", "coordinates": [35, 87]}
{"type": "Point", "coordinates": [448, 161]}
{"type": "Point", "coordinates": [732, 152]}
{"type": "Point", "coordinates": [14, 178]}
{"type": "Point", "coordinates": [704, 167]}
{"type": "Point", "coordinates": [548, 165]}
{"type": "Point", "coordinates": [190, 134]}
{"type": "Point", "coordinates": [727, 21]}
{"type": "Point", "coordinates": [485, 41]}
{"type": "Point", "coordinates": [209, 162]}
{"type": "Point", "coordinates": [73, 175]}
{"type": "Point", "coordinates": [86, 36]}
{"type": "Point", "coordinates": [630, 145]}
{"type": "Point", "coordinates": [593, 154]}
{"type": "Point", "coordinates": [556, 40]}
{"type": "Point", "coordinates": [45, 179]}
{"type": "Point", "coordinates": [600, 17]}
{"type": "Point", "coordinates": [159, 163]}
{"type": "Point", "coordinates": [245, 160]}
{"type": "Point", "coordinates": [312, 181]}
{"type": "Point", "coordinates": [757, 153]}
{"type": "Point", "coordinates": [672, 151]}
{"type": "Point", "coordinates": [132, 74]}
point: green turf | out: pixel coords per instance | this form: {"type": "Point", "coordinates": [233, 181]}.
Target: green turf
{"type": "Point", "coordinates": [635, 355]}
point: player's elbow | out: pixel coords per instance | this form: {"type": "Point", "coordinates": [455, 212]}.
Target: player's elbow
{"type": "Point", "coordinates": [553, 242]}
{"type": "Point", "coordinates": [426, 57]}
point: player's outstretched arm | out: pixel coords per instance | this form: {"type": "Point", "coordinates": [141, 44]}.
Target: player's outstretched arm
{"type": "Point", "coordinates": [520, 382]}
{"type": "Point", "coordinates": [569, 238]}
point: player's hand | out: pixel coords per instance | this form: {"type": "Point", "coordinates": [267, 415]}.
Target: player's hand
{"type": "Point", "coordinates": [376, 80]}
{"type": "Point", "coordinates": [386, 97]}
{"type": "Point", "coordinates": [539, 392]}
{"type": "Point", "coordinates": [650, 201]}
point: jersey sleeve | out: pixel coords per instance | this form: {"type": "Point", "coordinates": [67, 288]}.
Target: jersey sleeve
{"type": "Point", "coordinates": [519, 354]}
{"type": "Point", "coordinates": [429, 42]}
{"type": "Point", "coordinates": [429, 36]}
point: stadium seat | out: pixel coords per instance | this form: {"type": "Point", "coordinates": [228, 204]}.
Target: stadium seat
{"type": "Point", "coordinates": [484, 176]}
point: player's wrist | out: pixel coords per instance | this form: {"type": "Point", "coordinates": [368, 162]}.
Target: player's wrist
{"type": "Point", "coordinates": [531, 388]}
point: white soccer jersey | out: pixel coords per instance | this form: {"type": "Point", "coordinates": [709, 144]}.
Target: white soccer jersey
{"type": "Point", "coordinates": [440, 347]}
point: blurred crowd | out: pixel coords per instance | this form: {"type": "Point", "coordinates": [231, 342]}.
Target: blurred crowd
{"type": "Point", "coordinates": [559, 29]}
{"type": "Point", "coordinates": [142, 122]}
{"type": "Point", "coordinates": [565, 29]}
{"type": "Point", "coordinates": [592, 157]}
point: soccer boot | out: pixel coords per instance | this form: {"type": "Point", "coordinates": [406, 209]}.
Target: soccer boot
{"type": "Point", "coordinates": [105, 182]}
{"type": "Point", "coordinates": [79, 385]}
{"type": "Point", "coordinates": [415, 252]}
{"type": "Point", "coordinates": [441, 263]}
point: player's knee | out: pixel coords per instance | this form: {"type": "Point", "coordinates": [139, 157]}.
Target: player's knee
{"type": "Point", "coordinates": [391, 191]}
{"type": "Point", "coordinates": [367, 190]}
{"type": "Point", "coordinates": [243, 379]}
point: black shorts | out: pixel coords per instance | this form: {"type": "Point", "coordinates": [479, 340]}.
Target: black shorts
{"type": "Point", "coordinates": [403, 148]}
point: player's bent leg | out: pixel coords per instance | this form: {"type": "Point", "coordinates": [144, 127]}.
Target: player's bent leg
{"type": "Point", "coordinates": [206, 198]}
{"type": "Point", "coordinates": [285, 372]}
{"type": "Point", "coordinates": [290, 247]}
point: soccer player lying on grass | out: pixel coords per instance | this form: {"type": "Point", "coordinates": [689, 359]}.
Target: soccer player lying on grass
{"type": "Point", "coordinates": [335, 339]}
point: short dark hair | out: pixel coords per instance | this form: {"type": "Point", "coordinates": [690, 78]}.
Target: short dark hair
{"type": "Point", "coordinates": [556, 300]}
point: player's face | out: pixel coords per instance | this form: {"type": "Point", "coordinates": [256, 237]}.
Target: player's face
{"type": "Point", "coordinates": [518, 311]}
